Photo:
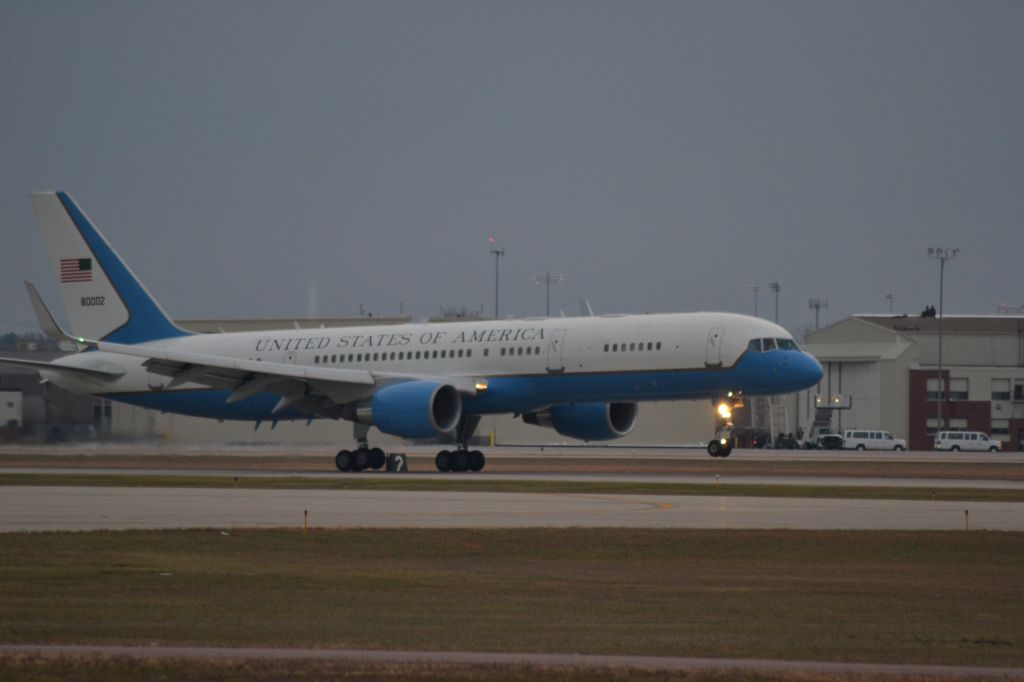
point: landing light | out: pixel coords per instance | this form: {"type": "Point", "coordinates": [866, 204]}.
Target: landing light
{"type": "Point", "coordinates": [724, 411]}
{"type": "Point", "coordinates": [725, 441]}
{"type": "Point", "coordinates": [481, 385]}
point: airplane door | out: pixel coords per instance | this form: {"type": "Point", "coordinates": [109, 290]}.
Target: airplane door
{"type": "Point", "coordinates": [713, 348]}
{"type": "Point", "coordinates": [556, 363]}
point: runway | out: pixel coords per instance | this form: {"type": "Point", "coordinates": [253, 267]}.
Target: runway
{"type": "Point", "coordinates": [52, 508]}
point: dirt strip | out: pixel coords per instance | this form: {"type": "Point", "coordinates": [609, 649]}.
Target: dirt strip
{"type": "Point", "coordinates": [653, 663]}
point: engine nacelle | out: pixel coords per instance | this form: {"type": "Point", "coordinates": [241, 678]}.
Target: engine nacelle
{"type": "Point", "coordinates": [413, 409]}
{"type": "Point", "coordinates": [587, 421]}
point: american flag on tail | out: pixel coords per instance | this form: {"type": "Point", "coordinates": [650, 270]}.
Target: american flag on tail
{"type": "Point", "coordinates": [75, 270]}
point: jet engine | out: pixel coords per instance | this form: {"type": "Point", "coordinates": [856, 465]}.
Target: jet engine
{"type": "Point", "coordinates": [587, 421]}
{"type": "Point", "coordinates": [412, 409]}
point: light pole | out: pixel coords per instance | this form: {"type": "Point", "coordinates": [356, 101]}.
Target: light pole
{"type": "Point", "coordinates": [756, 288]}
{"type": "Point", "coordinates": [774, 286]}
{"type": "Point", "coordinates": [548, 279]}
{"type": "Point", "coordinates": [816, 304]}
{"type": "Point", "coordinates": [890, 297]}
{"type": "Point", "coordinates": [498, 253]}
{"type": "Point", "coordinates": [942, 255]}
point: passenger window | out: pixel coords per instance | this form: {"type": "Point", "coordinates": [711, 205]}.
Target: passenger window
{"type": "Point", "coordinates": [469, 352]}
{"type": "Point", "coordinates": [650, 345]}
{"type": "Point", "coordinates": [487, 352]}
{"type": "Point", "coordinates": [615, 347]}
{"type": "Point", "coordinates": [657, 346]}
{"type": "Point", "coordinates": [520, 350]}
{"type": "Point", "coordinates": [606, 348]}
{"type": "Point", "coordinates": [754, 345]}
{"type": "Point", "coordinates": [316, 359]}
{"type": "Point", "coordinates": [529, 350]}
{"type": "Point", "coordinates": [435, 353]}
{"type": "Point", "coordinates": [502, 351]}
{"type": "Point", "coordinates": [632, 346]}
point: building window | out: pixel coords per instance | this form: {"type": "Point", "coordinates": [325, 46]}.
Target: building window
{"type": "Point", "coordinates": [957, 389]}
{"type": "Point", "coordinates": [1001, 430]}
{"type": "Point", "coordinates": [932, 388]}
{"type": "Point", "coordinates": [1018, 391]}
{"type": "Point", "coordinates": [1000, 389]}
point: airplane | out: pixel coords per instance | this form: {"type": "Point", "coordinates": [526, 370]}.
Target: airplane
{"type": "Point", "coordinates": [582, 377]}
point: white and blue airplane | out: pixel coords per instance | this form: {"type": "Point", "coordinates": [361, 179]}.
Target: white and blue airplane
{"type": "Point", "coordinates": [583, 377]}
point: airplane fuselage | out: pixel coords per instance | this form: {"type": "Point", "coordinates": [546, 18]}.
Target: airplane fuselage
{"type": "Point", "coordinates": [517, 365]}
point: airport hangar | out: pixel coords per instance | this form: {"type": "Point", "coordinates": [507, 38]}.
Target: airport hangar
{"type": "Point", "coordinates": [881, 368]}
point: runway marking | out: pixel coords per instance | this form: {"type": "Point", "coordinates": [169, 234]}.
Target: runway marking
{"type": "Point", "coordinates": [523, 659]}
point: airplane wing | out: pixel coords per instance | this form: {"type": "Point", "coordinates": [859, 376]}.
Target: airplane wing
{"type": "Point", "coordinates": [319, 391]}
{"type": "Point", "coordinates": [100, 371]}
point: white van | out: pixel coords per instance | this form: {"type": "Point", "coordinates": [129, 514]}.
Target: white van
{"type": "Point", "coordinates": [966, 440]}
{"type": "Point", "coordinates": [864, 439]}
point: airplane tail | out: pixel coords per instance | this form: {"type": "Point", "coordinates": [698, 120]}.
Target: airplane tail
{"type": "Point", "coordinates": [103, 297]}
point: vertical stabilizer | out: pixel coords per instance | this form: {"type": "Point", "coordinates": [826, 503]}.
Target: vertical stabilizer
{"type": "Point", "coordinates": [102, 296]}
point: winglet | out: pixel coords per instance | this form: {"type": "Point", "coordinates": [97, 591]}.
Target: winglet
{"type": "Point", "coordinates": [45, 317]}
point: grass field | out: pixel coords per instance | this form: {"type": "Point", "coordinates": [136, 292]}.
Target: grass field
{"type": "Point", "coordinates": [925, 597]}
{"type": "Point", "coordinates": [518, 486]}
{"type": "Point", "coordinates": [117, 669]}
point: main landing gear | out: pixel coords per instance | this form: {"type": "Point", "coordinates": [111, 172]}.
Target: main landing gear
{"type": "Point", "coordinates": [362, 458]}
{"type": "Point", "coordinates": [462, 458]}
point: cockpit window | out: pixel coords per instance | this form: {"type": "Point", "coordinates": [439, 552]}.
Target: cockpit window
{"type": "Point", "coordinates": [754, 346]}
{"type": "Point", "coordinates": [769, 344]}
{"type": "Point", "coordinates": [787, 344]}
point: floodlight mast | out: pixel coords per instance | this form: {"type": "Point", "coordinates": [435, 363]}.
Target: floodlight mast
{"type": "Point", "coordinates": [774, 286]}
{"type": "Point", "coordinates": [756, 288]}
{"type": "Point", "coordinates": [498, 253]}
{"type": "Point", "coordinates": [548, 279]}
{"type": "Point", "coordinates": [816, 304]}
{"type": "Point", "coordinates": [942, 255]}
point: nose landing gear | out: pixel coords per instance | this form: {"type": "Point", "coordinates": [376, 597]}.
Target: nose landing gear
{"type": "Point", "coordinates": [721, 445]}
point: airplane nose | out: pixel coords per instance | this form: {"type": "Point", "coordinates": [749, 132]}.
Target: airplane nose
{"type": "Point", "coordinates": [812, 370]}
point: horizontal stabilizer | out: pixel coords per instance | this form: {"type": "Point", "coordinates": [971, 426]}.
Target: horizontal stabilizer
{"type": "Point", "coordinates": [45, 317]}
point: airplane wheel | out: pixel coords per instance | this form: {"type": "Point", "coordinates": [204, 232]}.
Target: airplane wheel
{"type": "Point", "coordinates": [376, 458]}
{"type": "Point", "coordinates": [726, 451]}
{"type": "Point", "coordinates": [460, 460]}
{"type": "Point", "coordinates": [714, 448]}
{"type": "Point", "coordinates": [343, 460]}
{"type": "Point", "coordinates": [443, 461]}
{"type": "Point", "coordinates": [360, 459]}
{"type": "Point", "coordinates": [477, 461]}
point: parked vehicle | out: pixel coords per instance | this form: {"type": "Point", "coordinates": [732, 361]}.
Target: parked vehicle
{"type": "Point", "coordinates": [823, 438]}
{"type": "Point", "coordinates": [864, 439]}
{"type": "Point", "coordinates": [966, 440]}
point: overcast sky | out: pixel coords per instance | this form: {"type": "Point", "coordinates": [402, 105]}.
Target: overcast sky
{"type": "Point", "coordinates": [662, 156]}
